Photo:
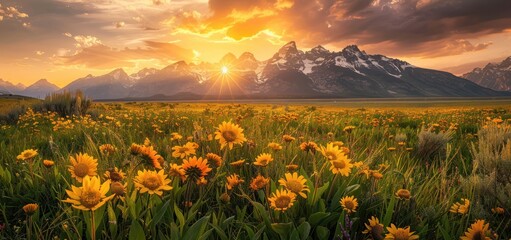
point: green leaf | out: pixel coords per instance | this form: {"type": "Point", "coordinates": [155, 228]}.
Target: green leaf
{"type": "Point", "coordinates": [136, 231]}
{"type": "Point", "coordinates": [283, 229]}
{"type": "Point", "coordinates": [180, 218]}
{"type": "Point", "coordinates": [131, 205]}
{"type": "Point", "coordinates": [196, 231]}
{"type": "Point", "coordinates": [319, 192]}
{"type": "Point", "coordinates": [304, 230]}
{"type": "Point", "coordinates": [351, 189]}
{"type": "Point", "coordinates": [294, 234]}
{"type": "Point", "coordinates": [322, 232]}
{"type": "Point", "coordinates": [390, 210]}
{"type": "Point", "coordinates": [262, 213]}
{"type": "Point", "coordinates": [159, 213]}
{"type": "Point", "coordinates": [316, 218]}
{"type": "Point", "coordinates": [112, 221]}
{"type": "Point", "coordinates": [259, 233]}
{"type": "Point", "coordinates": [445, 234]}
{"type": "Point", "coordinates": [220, 232]}
{"type": "Point", "coordinates": [226, 222]}
{"type": "Point", "coordinates": [174, 231]}
{"type": "Point", "coordinates": [249, 231]}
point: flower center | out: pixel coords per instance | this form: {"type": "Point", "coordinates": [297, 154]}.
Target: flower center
{"type": "Point", "coordinates": [183, 149]}
{"type": "Point", "coordinates": [229, 136]}
{"type": "Point", "coordinates": [259, 183]}
{"type": "Point", "coordinates": [90, 198]}
{"type": "Point", "coordinates": [478, 236]}
{"type": "Point", "coordinates": [294, 186]}
{"type": "Point", "coordinates": [401, 234]}
{"type": "Point", "coordinates": [339, 164]}
{"type": "Point", "coordinates": [349, 205]}
{"type": "Point", "coordinates": [152, 182]}
{"type": "Point", "coordinates": [282, 202]}
{"type": "Point", "coordinates": [263, 162]}
{"type": "Point", "coordinates": [81, 169]}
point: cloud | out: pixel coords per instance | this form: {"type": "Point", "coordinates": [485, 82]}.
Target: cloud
{"type": "Point", "coordinates": [158, 2]}
{"type": "Point", "coordinates": [403, 26]}
{"type": "Point", "coordinates": [39, 53]}
{"type": "Point", "coordinates": [457, 47]}
{"type": "Point", "coordinates": [86, 41]}
{"type": "Point", "coordinates": [12, 13]}
{"type": "Point", "coordinates": [100, 56]}
{"type": "Point", "coordinates": [119, 24]}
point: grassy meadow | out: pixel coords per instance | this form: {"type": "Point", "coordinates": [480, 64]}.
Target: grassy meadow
{"type": "Point", "coordinates": [142, 170]}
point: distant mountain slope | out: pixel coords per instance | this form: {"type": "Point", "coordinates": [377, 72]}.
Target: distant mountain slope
{"type": "Point", "coordinates": [496, 76]}
{"type": "Point", "coordinates": [40, 89]}
{"type": "Point", "coordinates": [8, 87]}
{"type": "Point", "coordinates": [115, 84]}
{"type": "Point", "coordinates": [289, 73]}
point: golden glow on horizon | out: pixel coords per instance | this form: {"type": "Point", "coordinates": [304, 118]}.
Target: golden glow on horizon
{"type": "Point", "coordinates": [202, 31]}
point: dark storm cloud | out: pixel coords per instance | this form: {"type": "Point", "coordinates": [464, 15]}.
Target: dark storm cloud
{"type": "Point", "coordinates": [407, 22]}
{"type": "Point", "coordinates": [402, 25]}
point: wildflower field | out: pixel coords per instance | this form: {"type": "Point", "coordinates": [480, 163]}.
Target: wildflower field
{"type": "Point", "coordinates": [257, 171]}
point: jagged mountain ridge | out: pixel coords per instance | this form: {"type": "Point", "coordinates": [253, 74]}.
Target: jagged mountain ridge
{"type": "Point", "coordinates": [289, 73]}
{"type": "Point", "coordinates": [115, 84]}
{"type": "Point", "coordinates": [496, 76]}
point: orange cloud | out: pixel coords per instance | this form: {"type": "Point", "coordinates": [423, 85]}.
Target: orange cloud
{"type": "Point", "coordinates": [413, 27]}
{"type": "Point", "coordinates": [239, 19]}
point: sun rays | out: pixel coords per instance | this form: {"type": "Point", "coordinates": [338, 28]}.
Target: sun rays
{"type": "Point", "coordinates": [225, 83]}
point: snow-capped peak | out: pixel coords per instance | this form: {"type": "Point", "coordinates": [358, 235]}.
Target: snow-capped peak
{"type": "Point", "coordinates": [291, 44]}
{"type": "Point", "coordinates": [118, 73]}
{"type": "Point", "coordinates": [353, 49]}
{"type": "Point", "coordinates": [319, 49]}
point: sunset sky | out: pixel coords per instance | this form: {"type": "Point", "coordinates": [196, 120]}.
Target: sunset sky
{"type": "Point", "coordinates": [62, 40]}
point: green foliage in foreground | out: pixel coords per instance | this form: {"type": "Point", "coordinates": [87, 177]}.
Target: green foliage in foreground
{"type": "Point", "coordinates": [436, 154]}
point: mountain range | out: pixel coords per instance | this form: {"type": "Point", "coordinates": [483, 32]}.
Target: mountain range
{"type": "Point", "coordinates": [496, 76]}
{"type": "Point", "coordinates": [289, 73]}
{"type": "Point", "coordinates": [39, 89]}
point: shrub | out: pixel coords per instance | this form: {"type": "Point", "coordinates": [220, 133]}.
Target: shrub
{"type": "Point", "coordinates": [65, 104]}
{"type": "Point", "coordinates": [491, 174]}
{"type": "Point", "coordinates": [432, 143]}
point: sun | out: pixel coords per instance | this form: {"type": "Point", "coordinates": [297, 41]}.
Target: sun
{"type": "Point", "coordinates": [224, 70]}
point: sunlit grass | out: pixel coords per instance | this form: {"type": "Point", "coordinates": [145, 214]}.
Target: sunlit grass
{"type": "Point", "coordinates": [197, 196]}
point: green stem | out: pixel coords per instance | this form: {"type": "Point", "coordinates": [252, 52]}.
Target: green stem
{"type": "Point", "coordinates": [92, 226]}
{"type": "Point", "coordinates": [29, 229]}
{"type": "Point", "coordinates": [330, 192]}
